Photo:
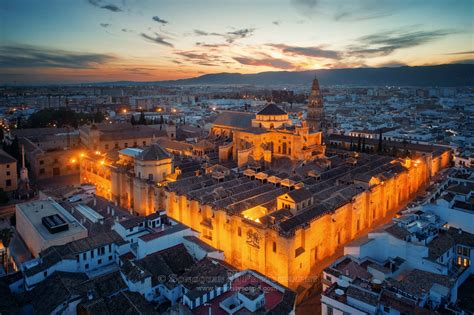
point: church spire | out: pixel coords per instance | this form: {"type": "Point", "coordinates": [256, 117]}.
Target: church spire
{"type": "Point", "coordinates": [315, 115]}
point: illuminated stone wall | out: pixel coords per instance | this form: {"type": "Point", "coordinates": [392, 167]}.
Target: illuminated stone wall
{"type": "Point", "coordinates": [97, 171]}
{"type": "Point", "coordinates": [290, 258]}
{"type": "Point", "coordinates": [118, 183]}
{"type": "Point", "coordinates": [298, 145]}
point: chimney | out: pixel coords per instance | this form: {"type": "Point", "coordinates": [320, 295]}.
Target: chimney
{"type": "Point", "coordinates": [90, 295]}
{"type": "Point", "coordinates": [376, 285]}
{"type": "Point", "coordinates": [339, 295]}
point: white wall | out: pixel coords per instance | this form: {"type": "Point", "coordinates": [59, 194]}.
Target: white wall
{"type": "Point", "coordinates": [338, 307]}
{"type": "Point", "coordinates": [385, 246]}
{"type": "Point", "coordinates": [457, 218]}
{"type": "Point", "coordinates": [161, 243]}
{"type": "Point", "coordinates": [72, 265]}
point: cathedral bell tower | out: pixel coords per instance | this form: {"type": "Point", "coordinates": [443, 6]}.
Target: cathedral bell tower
{"type": "Point", "coordinates": [315, 114]}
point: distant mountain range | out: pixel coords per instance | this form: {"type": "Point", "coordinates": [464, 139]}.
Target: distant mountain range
{"type": "Point", "coordinates": [440, 75]}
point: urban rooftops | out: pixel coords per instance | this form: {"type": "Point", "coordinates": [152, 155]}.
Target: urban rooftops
{"type": "Point", "coordinates": [41, 211]}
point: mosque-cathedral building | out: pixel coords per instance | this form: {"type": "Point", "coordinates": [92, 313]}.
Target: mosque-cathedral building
{"type": "Point", "coordinates": [292, 202]}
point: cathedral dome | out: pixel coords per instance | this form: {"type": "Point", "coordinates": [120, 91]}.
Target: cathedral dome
{"type": "Point", "coordinates": [272, 109]}
{"type": "Point", "coordinates": [271, 117]}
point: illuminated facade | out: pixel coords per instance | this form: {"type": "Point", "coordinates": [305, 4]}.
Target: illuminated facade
{"type": "Point", "coordinates": [315, 115]}
{"type": "Point", "coordinates": [108, 137]}
{"type": "Point", "coordinates": [284, 232]}
{"type": "Point", "coordinates": [132, 180]}
{"type": "Point", "coordinates": [8, 175]}
{"type": "Point", "coordinates": [280, 222]}
{"type": "Point", "coordinates": [262, 137]}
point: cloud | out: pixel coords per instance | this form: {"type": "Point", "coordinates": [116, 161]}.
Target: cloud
{"type": "Point", "coordinates": [202, 44]}
{"type": "Point", "coordinates": [204, 59]}
{"type": "Point", "coordinates": [383, 44]}
{"type": "Point", "coordinates": [112, 7]}
{"type": "Point", "coordinates": [203, 33]}
{"type": "Point", "coordinates": [314, 52]}
{"type": "Point", "coordinates": [354, 16]}
{"type": "Point", "coordinates": [277, 23]}
{"type": "Point", "coordinates": [139, 70]}
{"type": "Point", "coordinates": [305, 7]}
{"type": "Point", "coordinates": [363, 10]}
{"type": "Point", "coordinates": [157, 19]}
{"type": "Point", "coordinates": [461, 53]}
{"type": "Point", "coordinates": [229, 37]}
{"type": "Point", "coordinates": [265, 62]}
{"type": "Point", "coordinates": [392, 64]}
{"type": "Point", "coordinates": [25, 56]}
{"type": "Point", "coordinates": [158, 39]}
{"type": "Point", "coordinates": [345, 64]}
{"type": "Point", "coordinates": [238, 34]}
{"type": "Point", "coordinates": [200, 33]}
{"type": "Point", "coordinates": [106, 6]}
{"type": "Point", "coordinates": [104, 25]}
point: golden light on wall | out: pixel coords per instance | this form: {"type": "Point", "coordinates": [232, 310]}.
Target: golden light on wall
{"type": "Point", "coordinates": [255, 213]}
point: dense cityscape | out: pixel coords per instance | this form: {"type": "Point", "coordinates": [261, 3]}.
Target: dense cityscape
{"type": "Point", "coordinates": [303, 191]}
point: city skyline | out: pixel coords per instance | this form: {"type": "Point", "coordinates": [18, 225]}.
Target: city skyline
{"type": "Point", "coordinates": [99, 40]}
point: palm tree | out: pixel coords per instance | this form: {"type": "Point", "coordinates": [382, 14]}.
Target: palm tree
{"type": "Point", "coordinates": [6, 236]}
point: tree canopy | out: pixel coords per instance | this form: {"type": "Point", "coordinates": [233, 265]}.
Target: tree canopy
{"type": "Point", "coordinates": [61, 117]}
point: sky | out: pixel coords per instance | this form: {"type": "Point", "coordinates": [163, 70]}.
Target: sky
{"type": "Point", "coordinates": [73, 41]}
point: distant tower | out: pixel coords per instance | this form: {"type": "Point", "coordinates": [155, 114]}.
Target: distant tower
{"type": "Point", "coordinates": [24, 171]}
{"type": "Point", "coordinates": [315, 115]}
{"type": "Point", "coordinates": [24, 191]}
